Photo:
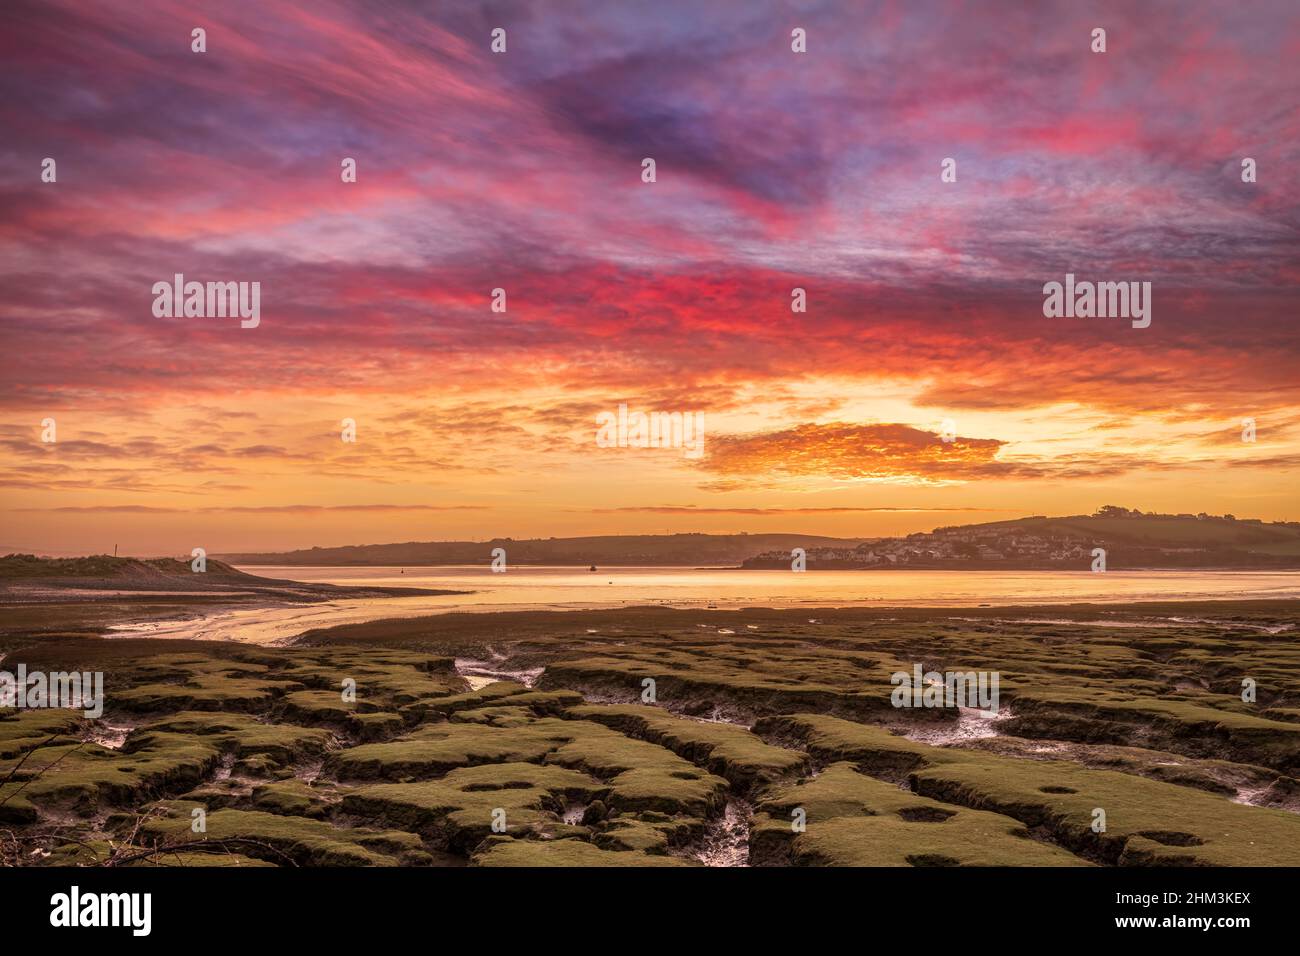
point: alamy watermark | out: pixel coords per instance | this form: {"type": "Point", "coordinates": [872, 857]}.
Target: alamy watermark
{"type": "Point", "coordinates": [624, 429]}
{"type": "Point", "coordinates": [213, 300]}
{"type": "Point", "coordinates": [974, 689]}
{"type": "Point", "coordinates": [75, 690]}
{"type": "Point", "coordinates": [1100, 300]}
{"type": "Point", "coordinates": [75, 908]}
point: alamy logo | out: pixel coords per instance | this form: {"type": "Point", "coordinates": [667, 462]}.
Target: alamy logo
{"type": "Point", "coordinates": [652, 430]}
{"type": "Point", "coordinates": [103, 909]}
{"type": "Point", "coordinates": [1100, 300]}
{"type": "Point", "coordinates": [78, 690]}
{"type": "Point", "coordinates": [974, 689]}
{"type": "Point", "coordinates": [213, 300]}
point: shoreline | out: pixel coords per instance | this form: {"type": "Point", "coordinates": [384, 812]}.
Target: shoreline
{"type": "Point", "coordinates": [131, 621]}
{"type": "Point", "coordinates": [388, 628]}
{"type": "Point", "coordinates": [281, 591]}
{"type": "Point", "coordinates": [990, 566]}
{"type": "Point", "coordinates": [244, 607]}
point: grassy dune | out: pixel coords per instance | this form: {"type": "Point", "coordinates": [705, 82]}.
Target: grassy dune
{"type": "Point", "coordinates": [27, 579]}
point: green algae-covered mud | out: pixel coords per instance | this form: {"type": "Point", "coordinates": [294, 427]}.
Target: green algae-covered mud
{"type": "Point", "coordinates": [1151, 735]}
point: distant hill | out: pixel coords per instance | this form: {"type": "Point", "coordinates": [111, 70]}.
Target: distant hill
{"type": "Point", "coordinates": [1131, 539]}
{"type": "Point", "coordinates": [685, 550]}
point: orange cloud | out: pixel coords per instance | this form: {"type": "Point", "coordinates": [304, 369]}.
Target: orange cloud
{"type": "Point", "coordinates": [847, 452]}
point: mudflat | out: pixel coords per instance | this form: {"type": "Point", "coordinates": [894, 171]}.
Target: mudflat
{"type": "Point", "coordinates": [653, 737]}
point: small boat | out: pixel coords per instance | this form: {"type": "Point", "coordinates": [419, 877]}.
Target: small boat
{"type": "Point", "coordinates": [592, 568]}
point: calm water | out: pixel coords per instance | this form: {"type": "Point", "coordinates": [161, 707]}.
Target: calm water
{"type": "Point", "coordinates": [533, 588]}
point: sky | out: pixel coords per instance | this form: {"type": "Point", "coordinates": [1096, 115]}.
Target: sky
{"type": "Point", "coordinates": [923, 385]}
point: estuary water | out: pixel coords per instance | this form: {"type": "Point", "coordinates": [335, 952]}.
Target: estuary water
{"type": "Point", "coordinates": [551, 588]}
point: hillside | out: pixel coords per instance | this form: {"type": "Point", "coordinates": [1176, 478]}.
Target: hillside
{"type": "Point", "coordinates": [1157, 530]}
{"type": "Point", "coordinates": [686, 550]}
{"type": "Point", "coordinates": [1131, 539]}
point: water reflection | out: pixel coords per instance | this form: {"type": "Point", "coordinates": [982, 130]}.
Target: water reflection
{"type": "Point", "coordinates": [532, 588]}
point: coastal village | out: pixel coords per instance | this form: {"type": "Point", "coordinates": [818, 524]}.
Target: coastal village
{"type": "Point", "coordinates": [940, 547]}
{"type": "Point", "coordinates": [1036, 542]}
